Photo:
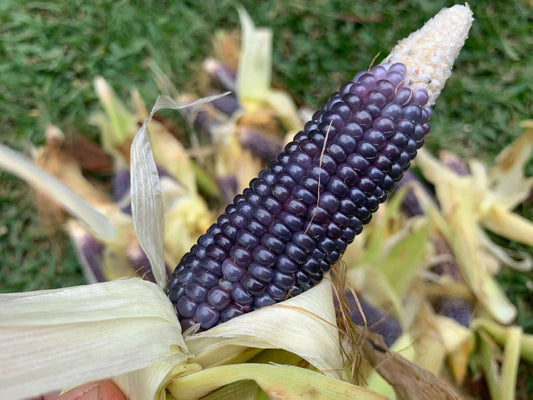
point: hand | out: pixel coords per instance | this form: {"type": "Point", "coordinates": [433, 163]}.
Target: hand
{"type": "Point", "coordinates": [100, 390]}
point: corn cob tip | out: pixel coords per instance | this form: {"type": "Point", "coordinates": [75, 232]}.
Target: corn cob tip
{"type": "Point", "coordinates": [429, 53]}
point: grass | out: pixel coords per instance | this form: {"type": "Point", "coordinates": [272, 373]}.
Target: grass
{"type": "Point", "coordinates": [52, 51]}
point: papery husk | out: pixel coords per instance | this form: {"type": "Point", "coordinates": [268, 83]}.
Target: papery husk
{"type": "Point", "coordinates": [277, 381]}
{"type": "Point", "coordinates": [65, 337]}
{"type": "Point", "coordinates": [146, 197]}
{"type": "Point", "coordinates": [254, 75]}
{"type": "Point", "coordinates": [24, 168]}
{"type": "Point", "coordinates": [304, 325]}
{"type": "Point", "coordinates": [501, 367]}
{"type": "Point", "coordinates": [460, 198]}
{"type": "Point", "coordinates": [410, 381]}
{"type": "Point", "coordinates": [151, 383]}
{"type": "Point", "coordinates": [499, 334]}
{"type": "Point", "coordinates": [117, 126]}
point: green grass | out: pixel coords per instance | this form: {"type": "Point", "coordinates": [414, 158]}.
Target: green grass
{"type": "Point", "coordinates": [51, 52]}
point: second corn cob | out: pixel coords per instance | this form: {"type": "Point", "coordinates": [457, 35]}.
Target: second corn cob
{"type": "Point", "coordinates": [284, 232]}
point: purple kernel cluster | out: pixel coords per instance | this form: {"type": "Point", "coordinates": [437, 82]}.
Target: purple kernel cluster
{"type": "Point", "coordinates": [283, 233]}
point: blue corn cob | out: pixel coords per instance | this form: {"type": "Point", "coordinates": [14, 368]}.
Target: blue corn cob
{"type": "Point", "coordinates": [374, 319]}
{"type": "Point", "coordinates": [283, 233]}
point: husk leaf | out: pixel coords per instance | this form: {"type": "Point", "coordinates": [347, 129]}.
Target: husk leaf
{"type": "Point", "coordinates": [65, 337]}
{"type": "Point", "coordinates": [278, 382]}
{"type": "Point", "coordinates": [304, 325]}
{"type": "Point", "coordinates": [21, 166]}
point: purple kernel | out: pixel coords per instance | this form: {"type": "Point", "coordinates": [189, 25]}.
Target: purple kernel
{"type": "Point", "coordinates": [264, 300]}
{"type": "Point", "coordinates": [378, 71]}
{"type": "Point", "coordinates": [237, 220]}
{"type": "Point", "coordinates": [337, 187]}
{"type": "Point", "coordinates": [384, 124]}
{"type": "Point", "coordinates": [186, 276]}
{"type": "Point", "coordinates": [230, 312]}
{"type": "Point", "coordinates": [340, 219]}
{"type": "Point", "coordinates": [347, 141]}
{"type": "Point", "coordinates": [316, 231]}
{"type": "Point", "coordinates": [352, 100]}
{"type": "Point", "coordinates": [261, 272]}
{"type": "Point", "coordinates": [218, 298]}
{"type": "Point", "coordinates": [345, 88]}
{"type": "Point", "coordinates": [206, 315]}
{"type": "Point", "coordinates": [386, 88]}
{"type": "Point", "coordinates": [285, 264]}
{"type": "Point", "coordinates": [406, 126]}
{"type": "Point", "coordinates": [247, 239]}
{"type": "Point", "coordinates": [420, 97]}
{"type": "Point", "coordinates": [280, 192]}
{"type": "Point", "coordinates": [276, 293]}
{"type": "Point", "coordinates": [367, 79]}
{"type": "Point", "coordinates": [302, 159]}
{"type": "Point", "coordinates": [240, 295]}
{"type": "Point", "coordinates": [362, 118]}
{"type": "Point", "coordinates": [311, 266]}
{"type": "Point", "coordinates": [186, 307]}
{"type": "Point", "coordinates": [216, 252]}
{"type": "Point", "coordinates": [376, 98]}
{"type": "Point", "coordinates": [347, 174]}
{"type": "Point", "coordinates": [328, 163]}
{"type": "Point", "coordinates": [195, 292]}
{"type": "Point", "coordinates": [262, 216]}
{"type": "Point", "coordinates": [295, 253]}
{"type": "Point", "coordinates": [273, 243]}
{"type": "Point", "coordinates": [304, 241]}
{"type": "Point", "coordinates": [396, 171]}
{"type": "Point", "coordinates": [347, 206]}
{"type": "Point", "coordinates": [395, 78]}
{"type": "Point", "coordinates": [309, 147]}
{"type": "Point", "coordinates": [256, 228]}
{"type": "Point", "coordinates": [367, 185]}
{"type": "Point", "coordinates": [241, 256]}
{"type": "Point", "coordinates": [223, 241]}
{"type": "Point", "coordinates": [280, 231]}
{"type": "Point", "coordinates": [392, 111]}
{"type": "Point", "coordinates": [263, 256]}
{"type": "Point", "coordinates": [231, 271]}
{"type": "Point", "coordinates": [375, 174]}
{"type": "Point", "coordinates": [403, 96]}
{"type": "Point", "coordinates": [272, 205]}
{"type": "Point", "coordinates": [412, 113]}
{"type": "Point", "coordinates": [291, 221]}
{"type": "Point", "coordinates": [205, 278]}
{"type": "Point", "coordinates": [305, 195]}
{"type": "Point", "coordinates": [343, 110]}
{"type": "Point", "coordinates": [282, 280]}
{"type": "Point", "coordinates": [367, 150]}
{"type": "Point", "coordinates": [337, 153]}
{"type": "Point", "coordinates": [358, 162]}
{"type": "Point", "coordinates": [334, 231]}
{"type": "Point", "coordinates": [328, 202]}
{"type": "Point", "coordinates": [398, 67]}
{"type": "Point", "coordinates": [252, 285]}
{"type": "Point", "coordinates": [295, 207]}
{"type": "Point", "coordinates": [374, 137]}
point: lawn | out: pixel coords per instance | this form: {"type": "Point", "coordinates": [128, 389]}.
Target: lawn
{"type": "Point", "coordinates": [50, 53]}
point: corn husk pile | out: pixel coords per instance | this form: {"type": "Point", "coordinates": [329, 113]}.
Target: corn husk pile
{"type": "Point", "coordinates": [412, 311]}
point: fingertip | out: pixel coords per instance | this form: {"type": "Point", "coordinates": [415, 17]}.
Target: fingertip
{"type": "Point", "coordinates": [100, 390]}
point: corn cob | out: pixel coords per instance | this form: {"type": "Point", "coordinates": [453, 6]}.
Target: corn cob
{"type": "Point", "coordinates": [376, 320]}
{"type": "Point", "coordinates": [283, 233]}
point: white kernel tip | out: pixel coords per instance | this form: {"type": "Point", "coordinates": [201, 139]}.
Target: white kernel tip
{"type": "Point", "coordinates": [429, 53]}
